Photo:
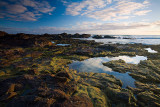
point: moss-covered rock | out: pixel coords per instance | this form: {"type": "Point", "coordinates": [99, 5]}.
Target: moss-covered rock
{"type": "Point", "coordinates": [121, 66]}
{"type": "Point", "coordinates": [148, 99]}
{"type": "Point", "coordinates": [97, 97]}
{"type": "Point", "coordinates": [59, 63]}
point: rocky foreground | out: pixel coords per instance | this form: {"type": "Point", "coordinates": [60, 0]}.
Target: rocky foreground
{"type": "Point", "coordinates": [34, 72]}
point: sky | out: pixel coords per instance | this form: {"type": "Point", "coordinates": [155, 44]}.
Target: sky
{"type": "Point", "coordinates": [112, 17]}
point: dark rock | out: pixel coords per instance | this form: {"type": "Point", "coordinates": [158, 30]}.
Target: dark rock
{"type": "Point", "coordinates": [97, 37]}
{"type": "Point", "coordinates": [109, 37]}
{"type": "Point", "coordinates": [2, 33]}
{"type": "Point", "coordinates": [58, 79]}
{"type": "Point", "coordinates": [64, 74]}
{"type": "Point", "coordinates": [60, 95]}
{"type": "Point", "coordinates": [148, 99]}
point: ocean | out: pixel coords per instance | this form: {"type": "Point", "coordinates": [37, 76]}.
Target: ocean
{"type": "Point", "coordinates": [130, 39]}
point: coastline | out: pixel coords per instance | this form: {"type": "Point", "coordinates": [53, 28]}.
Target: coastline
{"type": "Point", "coordinates": [35, 71]}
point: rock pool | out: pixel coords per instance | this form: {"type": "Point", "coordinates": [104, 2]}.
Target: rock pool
{"type": "Point", "coordinates": [150, 50]}
{"type": "Point", "coordinates": [95, 65]}
{"type": "Point", "coordinates": [63, 44]}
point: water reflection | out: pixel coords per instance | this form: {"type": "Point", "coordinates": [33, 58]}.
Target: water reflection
{"type": "Point", "coordinates": [132, 60]}
{"type": "Point", "coordinates": [63, 44]}
{"type": "Point", "coordinates": [150, 50]}
{"type": "Point", "coordinates": [95, 65]}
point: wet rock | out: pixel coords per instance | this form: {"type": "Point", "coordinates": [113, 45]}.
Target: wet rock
{"type": "Point", "coordinates": [94, 84]}
{"type": "Point", "coordinates": [151, 64]}
{"type": "Point", "coordinates": [2, 73]}
{"type": "Point", "coordinates": [45, 102]}
{"type": "Point", "coordinates": [23, 101]}
{"type": "Point", "coordinates": [122, 97]}
{"type": "Point", "coordinates": [134, 90]}
{"type": "Point", "coordinates": [60, 95]}
{"type": "Point", "coordinates": [97, 37]}
{"type": "Point", "coordinates": [11, 88]}
{"type": "Point", "coordinates": [31, 72]}
{"type": "Point", "coordinates": [60, 79]}
{"type": "Point", "coordinates": [121, 66]}
{"type": "Point", "coordinates": [64, 74]}
{"type": "Point", "coordinates": [146, 75]}
{"type": "Point", "coordinates": [109, 48]}
{"type": "Point", "coordinates": [97, 97]}
{"type": "Point", "coordinates": [142, 87]}
{"type": "Point", "coordinates": [110, 37]}
{"type": "Point", "coordinates": [148, 99]}
{"type": "Point", "coordinates": [75, 101]}
{"type": "Point", "coordinates": [9, 94]}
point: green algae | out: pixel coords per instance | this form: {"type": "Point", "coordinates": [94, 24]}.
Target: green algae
{"type": "Point", "coordinates": [121, 66]}
{"type": "Point", "coordinates": [59, 63]}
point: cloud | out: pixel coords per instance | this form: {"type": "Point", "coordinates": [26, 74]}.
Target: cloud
{"type": "Point", "coordinates": [109, 1]}
{"type": "Point", "coordinates": [24, 10]}
{"type": "Point", "coordinates": [64, 2]}
{"type": "Point", "coordinates": [143, 12]}
{"type": "Point", "coordinates": [85, 7]}
{"type": "Point", "coordinates": [15, 9]}
{"type": "Point", "coordinates": [108, 10]}
{"type": "Point", "coordinates": [92, 26]}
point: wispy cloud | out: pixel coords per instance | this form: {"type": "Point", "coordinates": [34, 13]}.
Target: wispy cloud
{"type": "Point", "coordinates": [24, 10]}
{"type": "Point", "coordinates": [64, 2]}
{"type": "Point", "coordinates": [143, 12]}
{"type": "Point", "coordinates": [108, 10]}
{"type": "Point", "coordinates": [85, 7]}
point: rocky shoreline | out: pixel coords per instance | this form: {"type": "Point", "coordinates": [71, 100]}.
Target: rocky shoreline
{"type": "Point", "coordinates": [34, 72]}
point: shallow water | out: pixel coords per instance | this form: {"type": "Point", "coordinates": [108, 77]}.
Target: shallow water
{"type": "Point", "coordinates": [150, 50]}
{"type": "Point", "coordinates": [62, 44]}
{"type": "Point", "coordinates": [95, 65]}
{"type": "Point", "coordinates": [128, 41]}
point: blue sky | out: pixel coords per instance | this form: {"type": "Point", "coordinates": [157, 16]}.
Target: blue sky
{"type": "Point", "coordinates": [124, 17]}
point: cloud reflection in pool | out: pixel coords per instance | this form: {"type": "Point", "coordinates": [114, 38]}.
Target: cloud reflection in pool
{"type": "Point", "coordinates": [95, 65]}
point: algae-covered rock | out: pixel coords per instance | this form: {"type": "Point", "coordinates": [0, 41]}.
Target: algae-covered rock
{"type": "Point", "coordinates": [121, 66]}
{"type": "Point", "coordinates": [9, 94]}
{"type": "Point", "coordinates": [142, 87]}
{"type": "Point", "coordinates": [64, 74]}
{"type": "Point", "coordinates": [148, 99]}
{"type": "Point", "coordinates": [120, 97]}
{"type": "Point", "coordinates": [151, 64]}
{"type": "Point", "coordinates": [146, 75]}
{"type": "Point", "coordinates": [101, 88]}
{"type": "Point", "coordinates": [2, 73]}
{"type": "Point", "coordinates": [59, 63]}
{"type": "Point", "coordinates": [97, 97]}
